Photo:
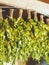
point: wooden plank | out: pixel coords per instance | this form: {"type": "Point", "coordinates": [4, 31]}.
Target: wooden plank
{"type": "Point", "coordinates": [5, 6]}
{"type": "Point", "coordinates": [39, 6]}
{"type": "Point", "coordinates": [46, 1]}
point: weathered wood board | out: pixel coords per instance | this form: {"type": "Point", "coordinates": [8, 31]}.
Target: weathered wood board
{"type": "Point", "coordinates": [39, 6]}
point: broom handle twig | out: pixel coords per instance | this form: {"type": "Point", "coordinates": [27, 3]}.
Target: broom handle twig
{"type": "Point", "coordinates": [41, 18]}
{"type": "Point", "coordinates": [11, 13]}
{"type": "Point", "coordinates": [29, 14]}
{"type": "Point", "coordinates": [47, 21]}
{"type": "Point", "coordinates": [20, 13]}
{"type": "Point", "coordinates": [1, 16]}
{"type": "Point", "coordinates": [35, 16]}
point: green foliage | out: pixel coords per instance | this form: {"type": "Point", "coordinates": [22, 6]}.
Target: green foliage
{"type": "Point", "coordinates": [21, 39]}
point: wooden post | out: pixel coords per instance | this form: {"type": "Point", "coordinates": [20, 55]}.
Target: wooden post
{"type": "Point", "coordinates": [29, 14]}
{"type": "Point", "coordinates": [47, 21]}
{"type": "Point", "coordinates": [11, 13]}
{"type": "Point", "coordinates": [20, 13]}
{"type": "Point", "coordinates": [35, 16]}
{"type": "Point", "coordinates": [41, 18]}
{"type": "Point", "coordinates": [1, 14]}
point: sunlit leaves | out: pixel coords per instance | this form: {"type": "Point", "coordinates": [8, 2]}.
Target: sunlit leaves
{"type": "Point", "coordinates": [21, 39]}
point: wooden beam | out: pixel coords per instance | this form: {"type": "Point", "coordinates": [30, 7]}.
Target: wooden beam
{"type": "Point", "coordinates": [39, 6]}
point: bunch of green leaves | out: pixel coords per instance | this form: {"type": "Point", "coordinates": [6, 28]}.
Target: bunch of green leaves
{"type": "Point", "coordinates": [21, 39]}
